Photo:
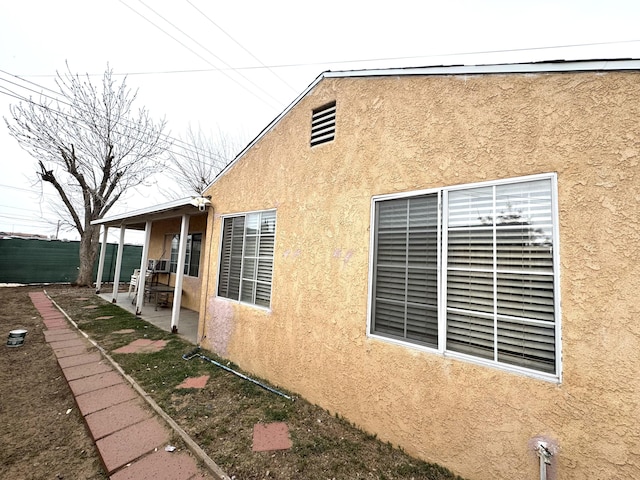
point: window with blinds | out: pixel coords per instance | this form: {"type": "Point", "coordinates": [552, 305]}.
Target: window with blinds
{"type": "Point", "coordinates": [405, 278]}
{"type": "Point", "coordinates": [489, 258]}
{"type": "Point", "coordinates": [246, 263]}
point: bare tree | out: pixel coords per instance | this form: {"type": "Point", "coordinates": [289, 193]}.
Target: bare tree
{"type": "Point", "coordinates": [198, 158]}
{"type": "Point", "coordinates": [92, 147]}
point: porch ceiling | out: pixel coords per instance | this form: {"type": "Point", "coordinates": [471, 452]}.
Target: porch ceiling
{"type": "Point", "coordinates": [136, 220]}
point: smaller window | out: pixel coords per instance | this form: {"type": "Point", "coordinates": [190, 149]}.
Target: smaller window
{"type": "Point", "coordinates": [246, 262]}
{"type": "Point", "coordinates": [192, 256]}
{"type": "Point", "coordinates": [323, 124]}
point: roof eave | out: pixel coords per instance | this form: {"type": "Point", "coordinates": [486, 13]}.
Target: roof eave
{"type": "Point", "coordinates": [555, 66]}
{"type": "Point", "coordinates": [137, 219]}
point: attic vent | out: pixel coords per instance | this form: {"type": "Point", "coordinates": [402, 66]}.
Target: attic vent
{"type": "Point", "coordinates": [323, 124]}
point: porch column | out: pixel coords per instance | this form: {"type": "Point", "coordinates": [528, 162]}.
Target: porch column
{"type": "Point", "coordinates": [116, 275]}
{"type": "Point", "coordinates": [143, 267]}
{"type": "Point", "coordinates": [103, 251]}
{"type": "Point", "coordinates": [177, 292]}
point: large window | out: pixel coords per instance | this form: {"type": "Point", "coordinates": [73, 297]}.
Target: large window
{"type": "Point", "coordinates": [246, 263]}
{"type": "Point", "coordinates": [192, 258]}
{"type": "Point", "coordinates": [471, 271]}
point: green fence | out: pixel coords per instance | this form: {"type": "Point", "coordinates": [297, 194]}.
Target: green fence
{"type": "Point", "coordinates": [53, 261]}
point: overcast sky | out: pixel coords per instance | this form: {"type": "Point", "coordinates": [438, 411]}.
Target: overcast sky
{"type": "Point", "coordinates": [235, 65]}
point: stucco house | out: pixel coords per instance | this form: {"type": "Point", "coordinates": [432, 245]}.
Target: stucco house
{"type": "Point", "coordinates": [447, 257]}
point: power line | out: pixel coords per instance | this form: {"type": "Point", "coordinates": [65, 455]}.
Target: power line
{"type": "Point", "coordinates": [363, 60]}
{"type": "Point", "coordinates": [185, 146]}
{"type": "Point", "coordinates": [71, 118]}
{"type": "Point", "coordinates": [22, 209]}
{"type": "Point", "coordinates": [241, 46]}
{"type": "Point", "coordinates": [24, 225]}
{"type": "Point", "coordinates": [38, 220]}
{"type": "Point", "coordinates": [59, 94]}
{"type": "Point", "coordinates": [193, 51]}
{"type": "Point", "coordinates": [20, 188]}
{"type": "Point", "coordinates": [212, 54]}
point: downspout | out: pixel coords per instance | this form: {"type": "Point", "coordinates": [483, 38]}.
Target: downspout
{"type": "Point", "coordinates": [209, 238]}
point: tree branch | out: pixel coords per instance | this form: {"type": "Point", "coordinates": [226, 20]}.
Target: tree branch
{"type": "Point", "coordinates": [48, 176]}
{"type": "Point", "coordinates": [91, 147]}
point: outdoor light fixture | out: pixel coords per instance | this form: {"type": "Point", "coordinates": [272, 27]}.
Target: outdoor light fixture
{"type": "Point", "coordinates": [201, 202]}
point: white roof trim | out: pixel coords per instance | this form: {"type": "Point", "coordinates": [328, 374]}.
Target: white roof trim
{"type": "Point", "coordinates": [154, 209]}
{"type": "Point", "coordinates": [507, 68]}
{"type": "Point", "coordinates": [542, 67]}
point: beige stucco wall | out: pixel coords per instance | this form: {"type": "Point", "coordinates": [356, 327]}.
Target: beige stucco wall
{"type": "Point", "coordinates": [406, 133]}
{"type": "Point", "coordinates": [160, 247]}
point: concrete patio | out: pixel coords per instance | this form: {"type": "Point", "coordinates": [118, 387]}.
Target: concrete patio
{"type": "Point", "coordinates": [161, 318]}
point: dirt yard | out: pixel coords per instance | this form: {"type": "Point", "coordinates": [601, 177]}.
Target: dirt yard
{"type": "Point", "coordinates": [39, 438]}
{"type": "Point", "coordinates": [43, 435]}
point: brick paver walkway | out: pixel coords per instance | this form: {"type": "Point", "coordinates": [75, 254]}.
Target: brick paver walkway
{"type": "Point", "coordinates": [129, 436]}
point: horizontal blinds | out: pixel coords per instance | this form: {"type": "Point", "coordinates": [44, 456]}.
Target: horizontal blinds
{"type": "Point", "coordinates": [236, 257]}
{"type": "Point", "coordinates": [470, 290]}
{"type": "Point", "coordinates": [405, 270]}
{"type": "Point", "coordinates": [231, 257]}
{"type": "Point", "coordinates": [525, 296]}
{"type": "Point", "coordinates": [257, 266]}
{"type": "Point", "coordinates": [500, 277]}
{"type": "Point", "coordinates": [225, 259]}
{"type": "Point", "coordinates": [470, 334]}
{"type": "Point", "coordinates": [527, 344]}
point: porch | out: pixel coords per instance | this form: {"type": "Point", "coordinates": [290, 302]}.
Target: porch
{"type": "Point", "coordinates": [160, 317]}
{"type": "Point", "coordinates": [162, 246]}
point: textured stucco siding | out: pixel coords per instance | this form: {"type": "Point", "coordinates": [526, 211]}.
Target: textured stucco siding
{"type": "Point", "coordinates": [399, 134]}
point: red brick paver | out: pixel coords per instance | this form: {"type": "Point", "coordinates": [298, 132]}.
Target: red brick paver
{"type": "Point", "coordinates": [57, 343]}
{"type": "Point", "coordinates": [79, 359]}
{"type": "Point", "coordinates": [160, 464]}
{"type": "Point", "coordinates": [130, 438]}
{"type": "Point", "coordinates": [59, 334]}
{"type": "Point", "coordinates": [86, 370]}
{"type": "Point", "coordinates": [194, 382]}
{"type": "Point", "coordinates": [126, 445]}
{"type": "Point", "coordinates": [116, 417]}
{"type": "Point", "coordinates": [271, 436]}
{"type": "Point", "coordinates": [142, 345]}
{"type": "Point", "coordinates": [69, 351]}
{"type": "Point", "coordinates": [95, 382]}
{"type": "Point", "coordinates": [104, 398]}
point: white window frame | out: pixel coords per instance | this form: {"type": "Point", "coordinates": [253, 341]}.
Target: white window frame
{"type": "Point", "coordinates": [223, 218]}
{"type": "Point", "coordinates": [441, 277]}
{"type": "Point", "coordinates": [169, 237]}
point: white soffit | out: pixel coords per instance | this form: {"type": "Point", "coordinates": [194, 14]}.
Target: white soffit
{"type": "Point", "coordinates": [136, 216]}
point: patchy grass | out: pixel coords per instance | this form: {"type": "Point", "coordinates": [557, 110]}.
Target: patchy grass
{"type": "Point", "coordinates": [221, 416]}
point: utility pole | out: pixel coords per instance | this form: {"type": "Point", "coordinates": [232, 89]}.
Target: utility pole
{"type": "Point", "coordinates": [57, 229]}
